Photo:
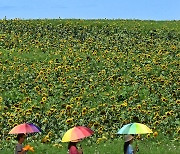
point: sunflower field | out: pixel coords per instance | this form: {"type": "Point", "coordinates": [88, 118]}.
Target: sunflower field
{"type": "Point", "coordinates": [98, 73]}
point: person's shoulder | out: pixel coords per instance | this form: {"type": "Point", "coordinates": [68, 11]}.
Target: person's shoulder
{"type": "Point", "coordinates": [19, 146]}
{"type": "Point", "coordinates": [130, 147]}
{"type": "Point", "coordinates": [73, 150]}
{"type": "Point", "coordinates": [73, 147]}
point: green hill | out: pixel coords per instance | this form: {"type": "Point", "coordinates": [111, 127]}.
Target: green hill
{"type": "Point", "coordinates": [98, 73]}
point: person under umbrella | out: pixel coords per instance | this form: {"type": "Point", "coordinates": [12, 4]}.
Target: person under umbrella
{"type": "Point", "coordinates": [74, 135]}
{"type": "Point", "coordinates": [128, 149]}
{"type": "Point", "coordinates": [19, 146]}
{"type": "Point", "coordinates": [21, 131]}
{"type": "Point", "coordinates": [132, 128]}
{"type": "Point", "coordinates": [72, 148]}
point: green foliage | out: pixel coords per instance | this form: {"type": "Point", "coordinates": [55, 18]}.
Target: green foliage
{"type": "Point", "coordinates": [98, 73]}
{"type": "Point", "coordinates": [108, 147]}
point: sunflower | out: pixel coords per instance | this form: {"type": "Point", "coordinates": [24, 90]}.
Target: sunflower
{"type": "Point", "coordinates": [68, 107]}
{"type": "Point", "coordinates": [178, 130]}
{"type": "Point", "coordinates": [100, 129]}
{"type": "Point", "coordinates": [92, 110]}
{"type": "Point", "coordinates": [78, 98]}
{"type": "Point", "coordinates": [156, 122]}
{"type": "Point", "coordinates": [75, 113]}
{"type": "Point", "coordinates": [41, 73]}
{"type": "Point", "coordinates": [28, 113]}
{"type": "Point", "coordinates": [164, 117]}
{"type": "Point", "coordinates": [14, 125]}
{"type": "Point", "coordinates": [8, 138]}
{"type": "Point", "coordinates": [155, 134]}
{"type": "Point", "coordinates": [1, 99]}
{"type": "Point", "coordinates": [96, 124]}
{"type": "Point", "coordinates": [171, 112]}
{"type": "Point", "coordinates": [148, 135]}
{"type": "Point", "coordinates": [62, 111]}
{"type": "Point", "coordinates": [84, 110]}
{"type": "Point", "coordinates": [100, 132]}
{"type": "Point", "coordinates": [52, 109]}
{"type": "Point", "coordinates": [38, 115]}
{"type": "Point", "coordinates": [44, 94]}
{"type": "Point", "coordinates": [98, 140]}
{"type": "Point", "coordinates": [63, 106]}
{"type": "Point", "coordinates": [41, 102]}
{"type": "Point", "coordinates": [17, 110]}
{"type": "Point", "coordinates": [129, 109]}
{"type": "Point", "coordinates": [50, 133]}
{"type": "Point", "coordinates": [103, 112]}
{"type": "Point", "coordinates": [168, 113]}
{"type": "Point", "coordinates": [138, 106]}
{"type": "Point", "coordinates": [25, 69]}
{"type": "Point", "coordinates": [10, 121]}
{"type": "Point", "coordinates": [163, 99]}
{"type": "Point", "coordinates": [90, 124]}
{"type": "Point", "coordinates": [138, 137]}
{"type": "Point", "coordinates": [50, 85]}
{"type": "Point", "coordinates": [45, 139]}
{"type": "Point", "coordinates": [69, 121]}
{"type": "Point", "coordinates": [44, 99]}
{"type": "Point", "coordinates": [112, 97]}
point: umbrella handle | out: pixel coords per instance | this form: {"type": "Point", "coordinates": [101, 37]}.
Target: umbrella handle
{"type": "Point", "coordinates": [81, 148]}
{"type": "Point", "coordinates": [137, 149]}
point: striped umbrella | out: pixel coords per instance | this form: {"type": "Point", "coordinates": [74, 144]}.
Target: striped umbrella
{"type": "Point", "coordinates": [135, 128]}
{"type": "Point", "coordinates": [76, 133]}
{"type": "Point", "coordinates": [25, 128]}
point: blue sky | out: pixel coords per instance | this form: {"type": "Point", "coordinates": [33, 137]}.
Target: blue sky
{"type": "Point", "coordinates": [91, 9]}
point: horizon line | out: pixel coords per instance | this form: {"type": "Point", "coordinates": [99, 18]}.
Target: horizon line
{"type": "Point", "coordinates": [59, 18]}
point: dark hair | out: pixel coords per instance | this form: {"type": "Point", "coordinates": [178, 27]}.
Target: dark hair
{"type": "Point", "coordinates": [71, 144]}
{"type": "Point", "coordinates": [126, 144]}
{"type": "Point", "coordinates": [19, 136]}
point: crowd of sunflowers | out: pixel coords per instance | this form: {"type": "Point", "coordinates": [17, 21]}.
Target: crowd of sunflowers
{"type": "Point", "coordinates": [100, 74]}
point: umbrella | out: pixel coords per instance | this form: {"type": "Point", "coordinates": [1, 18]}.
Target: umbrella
{"type": "Point", "coordinates": [76, 133]}
{"type": "Point", "coordinates": [135, 128]}
{"type": "Point", "coordinates": [25, 128]}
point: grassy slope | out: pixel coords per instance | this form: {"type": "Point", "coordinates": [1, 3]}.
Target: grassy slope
{"type": "Point", "coordinates": [109, 147]}
{"type": "Point", "coordinates": [45, 57]}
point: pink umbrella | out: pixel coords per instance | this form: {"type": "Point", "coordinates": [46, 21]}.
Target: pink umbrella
{"type": "Point", "coordinates": [76, 133]}
{"type": "Point", "coordinates": [25, 128]}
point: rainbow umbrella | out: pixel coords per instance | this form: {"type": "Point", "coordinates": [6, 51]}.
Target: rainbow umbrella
{"type": "Point", "coordinates": [76, 133]}
{"type": "Point", "coordinates": [134, 128]}
{"type": "Point", "coordinates": [25, 128]}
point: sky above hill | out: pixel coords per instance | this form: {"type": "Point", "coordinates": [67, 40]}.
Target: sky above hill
{"type": "Point", "coordinates": [91, 9]}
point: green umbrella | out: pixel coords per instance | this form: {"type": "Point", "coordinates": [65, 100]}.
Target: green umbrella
{"type": "Point", "coordinates": [134, 128]}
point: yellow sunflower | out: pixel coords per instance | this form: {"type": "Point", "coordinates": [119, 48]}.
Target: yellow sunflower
{"type": "Point", "coordinates": [1, 99]}
{"type": "Point", "coordinates": [69, 121]}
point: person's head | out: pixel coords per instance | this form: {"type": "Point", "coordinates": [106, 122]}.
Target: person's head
{"type": "Point", "coordinates": [128, 139]}
{"type": "Point", "coordinates": [21, 137]}
{"type": "Point", "coordinates": [71, 144]}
